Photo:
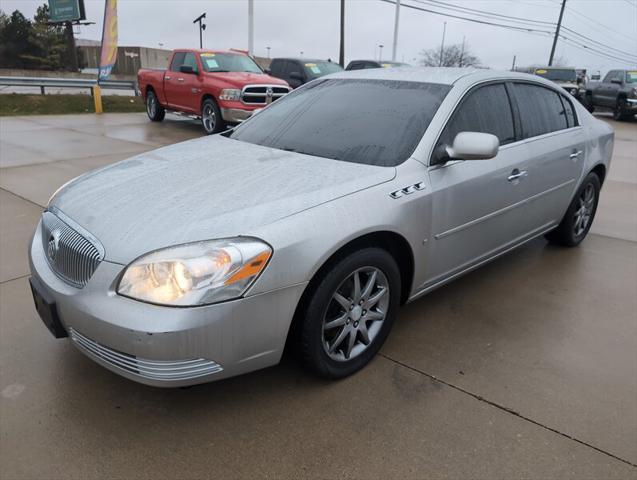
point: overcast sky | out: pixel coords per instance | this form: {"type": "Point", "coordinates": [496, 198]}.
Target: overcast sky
{"type": "Point", "coordinates": [312, 26]}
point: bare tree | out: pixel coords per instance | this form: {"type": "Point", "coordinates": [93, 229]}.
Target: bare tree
{"type": "Point", "coordinates": [452, 56]}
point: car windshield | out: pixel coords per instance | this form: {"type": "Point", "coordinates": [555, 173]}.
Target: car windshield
{"type": "Point", "coordinates": [318, 69]}
{"type": "Point", "coordinates": [375, 122]}
{"type": "Point", "coordinates": [631, 76]}
{"type": "Point", "coordinates": [558, 74]}
{"type": "Point", "coordinates": [228, 62]}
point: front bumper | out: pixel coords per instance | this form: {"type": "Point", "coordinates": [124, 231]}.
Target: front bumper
{"type": "Point", "coordinates": [165, 346]}
{"type": "Point", "coordinates": [235, 115]}
{"type": "Point", "coordinates": [631, 105]}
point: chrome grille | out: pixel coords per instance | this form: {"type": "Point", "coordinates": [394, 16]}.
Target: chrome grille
{"type": "Point", "coordinates": [262, 94]}
{"type": "Point", "coordinates": [150, 369]}
{"type": "Point", "coordinates": [72, 253]}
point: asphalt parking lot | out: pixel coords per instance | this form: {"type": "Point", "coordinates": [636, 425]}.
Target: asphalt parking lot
{"type": "Point", "coordinates": [524, 368]}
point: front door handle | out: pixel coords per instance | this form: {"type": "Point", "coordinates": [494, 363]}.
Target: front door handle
{"type": "Point", "coordinates": [576, 154]}
{"type": "Point", "coordinates": [179, 79]}
{"type": "Point", "coordinates": [516, 175]}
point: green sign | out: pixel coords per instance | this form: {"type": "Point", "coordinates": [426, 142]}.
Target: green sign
{"type": "Point", "coordinates": [66, 10]}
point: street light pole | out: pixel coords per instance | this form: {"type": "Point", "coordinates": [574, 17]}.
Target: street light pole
{"type": "Point", "coordinates": [442, 44]}
{"type": "Point", "coordinates": [268, 49]}
{"type": "Point", "coordinates": [202, 27]}
{"type": "Point", "coordinates": [341, 51]}
{"type": "Point", "coordinates": [396, 18]}
{"type": "Point", "coordinates": [380, 53]}
{"type": "Point", "coordinates": [250, 27]}
{"type": "Point", "coordinates": [557, 33]}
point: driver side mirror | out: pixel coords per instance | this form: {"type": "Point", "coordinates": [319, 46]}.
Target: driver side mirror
{"type": "Point", "coordinates": [187, 69]}
{"type": "Point", "coordinates": [473, 146]}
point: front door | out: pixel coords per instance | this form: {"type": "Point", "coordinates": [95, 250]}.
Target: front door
{"type": "Point", "coordinates": [478, 206]}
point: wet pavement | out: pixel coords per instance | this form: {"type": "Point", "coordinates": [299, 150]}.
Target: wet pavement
{"type": "Point", "coordinates": [526, 367]}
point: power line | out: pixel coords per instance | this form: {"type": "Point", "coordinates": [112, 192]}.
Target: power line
{"type": "Point", "coordinates": [594, 51]}
{"type": "Point", "coordinates": [591, 23]}
{"type": "Point", "coordinates": [600, 43]}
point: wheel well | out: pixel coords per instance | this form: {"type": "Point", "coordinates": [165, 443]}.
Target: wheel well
{"type": "Point", "coordinates": [206, 97]}
{"type": "Point", "coordinates": [392, 242]}
{"type": "Point", "coordinates": [600, 171]}
{"type": "Point", "coordinates": [149, 88]}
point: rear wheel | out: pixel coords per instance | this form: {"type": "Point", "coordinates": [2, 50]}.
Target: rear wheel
{"type": "Point", "coordinates": [153, 108]}
{"type": "Point", "coordinates": [588, 103]}
{"type": "Point", "coordinates": [580, 214]}
{"type": "Point", "coordinates": [350, 313]}
{"type": "Point", "coordinates": [211, 117]}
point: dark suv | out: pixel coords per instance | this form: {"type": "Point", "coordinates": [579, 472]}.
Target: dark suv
{"type": "Point", "coordinates": [297, 71]}
{"type": "Point", "coordinates": [363, 64]}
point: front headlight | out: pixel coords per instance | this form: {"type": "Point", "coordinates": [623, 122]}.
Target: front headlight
{"type": "Point", "coordinates": [230, 94]}
{"type": "Point", "coordinates": [196, 273]}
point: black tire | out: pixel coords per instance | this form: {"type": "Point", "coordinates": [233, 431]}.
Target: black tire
{"type": "Point", "coordinates": [313, 342]}
{"type": "Point", "coordinates": [569, 233]}
{"type": "Point", "coordinates": [211, 120]}
{"type": "Point", "coordinates": [154, 110]}
{"type": "Point", "coordinates": [619, 111]}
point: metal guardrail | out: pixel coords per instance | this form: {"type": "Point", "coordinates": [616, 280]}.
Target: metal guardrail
{"type": "Point", "coordinates": [53, 82]}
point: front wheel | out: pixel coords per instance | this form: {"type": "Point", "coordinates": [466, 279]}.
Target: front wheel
{"type": "Point", "coordinates": [619, 111]}
{"type": "Point", "coordinates": [211, 120]}
{"type": "Point", "coordinates": [155, 111]}
{"type": "Point", "coordinates": [350, 312]}
{"type": "Point", "coordinates": [580, 214]}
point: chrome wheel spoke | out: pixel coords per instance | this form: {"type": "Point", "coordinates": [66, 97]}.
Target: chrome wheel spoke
{"type": "Point", "coordinates": [350, 343]}
{"type": "Point", "coordinates": [369, 286]}
{"type": "Point", "coordinates": [357, 287]}
{"type": "Point", "coordinates": [342, 301]}
{"type": "Point", "coordinates": [339, 339]}
{"type": "Point", "coordinates": [362, 330]}
{"type": "Point", "coordinates": [374, 316]}
{"type": "Point", "coordinates": [376, 298]}
{"type": "Point", "coordinates": [337, 322]}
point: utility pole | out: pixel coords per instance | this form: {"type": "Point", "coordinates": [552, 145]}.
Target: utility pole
{"type": "Point", "coordinates": [461, 52]}
{"type": "Point", "coordinates": [442, 44]}
{"type": "Point", "coordinates": [341, 52]}
{"type": "Point", "coordinates": [202, 27]}
{"type": "Point", "coordinates": [557, 33]}
{"type": "Point", "coordinates": [250, 27]}
{"type": "Point", "coordinates": [396, 17]}
{"type": "Point", "coordinates": [70, 41]}
{"type": "Point", "coordinates": [513, 66]}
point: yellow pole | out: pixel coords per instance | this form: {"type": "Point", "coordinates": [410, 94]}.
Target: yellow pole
{"type": "Point", "coordinates": [97, 98]}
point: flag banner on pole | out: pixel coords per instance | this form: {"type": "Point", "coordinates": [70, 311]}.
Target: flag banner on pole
{"type": "Point", "coordinates": [109, 39]}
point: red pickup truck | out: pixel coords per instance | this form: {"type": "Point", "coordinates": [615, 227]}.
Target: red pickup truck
{"type": "Point", "coordinates": [219, 87]}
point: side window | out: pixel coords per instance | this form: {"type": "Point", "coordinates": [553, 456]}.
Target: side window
{"type": "Point", "coordinates": [487, 110]}
{"type": "Point", "coordinates": [541, 110]}
{"type": "Point", "coordinates": [371, 65]}
{"type": "Point", "coordinates": [609, 76]}
{"type": "Point", "coordinates": [178, 61]}
{"type": "Point", "coordinates": [191, 60]}
{"type": "Point", "coordinates": [276, 67]}
{"type": "Point", "coordinates": [356, 66]}
{"type": "Point", "coordinates": [571, 120]}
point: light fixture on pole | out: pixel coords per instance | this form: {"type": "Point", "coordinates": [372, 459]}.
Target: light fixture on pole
{"type": "Point", "coordinates": [380, 53]}
{"type": "Point", "coordinates": [268, 49]}
{"type": "Point", "coordinates": [202, 27]}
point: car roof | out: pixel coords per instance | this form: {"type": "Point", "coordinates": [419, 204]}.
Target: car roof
{"type": "Point", "coordinates": [306, 60]}
{"type": "Point", "coordinates": [439, 75]}
{"type": "Point", "coordinates": [197, 50]}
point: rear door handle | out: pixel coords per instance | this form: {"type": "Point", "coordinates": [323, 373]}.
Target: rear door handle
{"type": "Point", "coordinates": [179, 79]}
{"type": "Point", "coordinates": [576, 154]}
{"type": "Point", "coordinates": [167, 78]}
{"type": "Point", "coordinates": [516, 175]}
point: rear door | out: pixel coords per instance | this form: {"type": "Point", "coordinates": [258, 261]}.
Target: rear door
{"type": "Point", "coordinates": [479, 206]}
{"type": "Point", "coordinates": [556, 147]}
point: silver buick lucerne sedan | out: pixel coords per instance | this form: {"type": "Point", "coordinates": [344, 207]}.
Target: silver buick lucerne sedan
{"type": "Point", "coordinates": [310, 223]}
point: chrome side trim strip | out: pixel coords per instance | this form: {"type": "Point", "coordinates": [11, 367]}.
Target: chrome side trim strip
{"type": "Point", "coordinates": [464, 226]}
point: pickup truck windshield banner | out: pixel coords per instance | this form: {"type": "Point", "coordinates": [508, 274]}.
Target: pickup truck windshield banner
{"type": "Point", "coordinates": [109, 39]}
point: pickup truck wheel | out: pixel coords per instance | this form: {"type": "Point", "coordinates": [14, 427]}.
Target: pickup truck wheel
{"type": "Point", "coordinates": [588, 103]}
{"type": "Point", "coordinates": [618, 112]}
{"type": "Point", "coordinates": [153, 108]}
{"type": "Point", "coordinates": [211, 117]}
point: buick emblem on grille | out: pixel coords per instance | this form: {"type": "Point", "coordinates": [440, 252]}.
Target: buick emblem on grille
{"type": "Point", "coordinates": [53, 244]}
{"type": "Point", "coordinates": [268, 95]}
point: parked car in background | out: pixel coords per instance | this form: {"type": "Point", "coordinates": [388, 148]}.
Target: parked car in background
{"type": "Point", "coordinates": [311, 222]}
{"type": "Point", "coordinates": [298, 71]}
{"type": "Point", "coordinates": [567, 78]}
{"type": "Point", "coordinates": [219, 87]}
{"type": "Point", "coordinates": [363, 64]}
{"type": "Point", "coordinates": [617, 92]}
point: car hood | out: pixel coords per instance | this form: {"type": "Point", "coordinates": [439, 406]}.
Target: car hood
{"type": "Point", "coordinates": [212, 187]}
{"type": "Point", "coordinates": [241, 79]}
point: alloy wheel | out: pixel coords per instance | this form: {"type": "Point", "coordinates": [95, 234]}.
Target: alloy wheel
{"type": "Point", "coordinates": [209, 118]}
{"type": "Point", "coordinates": [584, 211]}
{"type": "Point", "coordinates": [151, 105]}
{"type": "Point", "coordinates": [355, 313]}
